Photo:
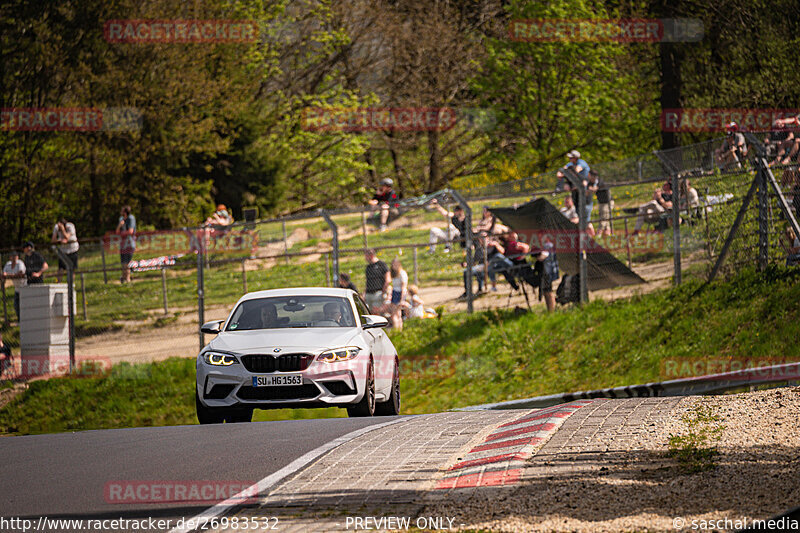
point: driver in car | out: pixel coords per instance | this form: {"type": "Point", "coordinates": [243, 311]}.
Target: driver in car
{"type": "Point", "coordinates": [333, 311]}
{"type": "Point", "coordinates": [269, 316]}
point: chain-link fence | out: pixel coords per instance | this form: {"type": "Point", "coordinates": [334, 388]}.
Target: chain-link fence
{"type": "Point", "coordinates": [634, 240]}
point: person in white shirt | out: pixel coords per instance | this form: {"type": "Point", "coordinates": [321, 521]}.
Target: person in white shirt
{"type": "Point", "coordinates": [399, 289]}
{"type": "Point", "coordinates": [15, 271]}
{"type": "Point", "coordinates": [67, 240]}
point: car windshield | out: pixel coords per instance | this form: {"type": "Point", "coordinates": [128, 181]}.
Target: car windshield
{"type": "Point", "coordinates": [293, 312]}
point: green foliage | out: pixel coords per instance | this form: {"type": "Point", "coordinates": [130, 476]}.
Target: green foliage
{"type": "Point", "coordinates": [695, 450]}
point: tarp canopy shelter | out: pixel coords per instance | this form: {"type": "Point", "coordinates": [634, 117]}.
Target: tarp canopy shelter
{"type": "Point", "coordinates": [539, 220]}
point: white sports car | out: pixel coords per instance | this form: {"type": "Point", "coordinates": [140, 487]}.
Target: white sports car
{"type": "Point", "coordinates": [303, 347]}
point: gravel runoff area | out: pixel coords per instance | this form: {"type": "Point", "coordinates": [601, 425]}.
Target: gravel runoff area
{"type": "Point", "coordinates": [631, 484]}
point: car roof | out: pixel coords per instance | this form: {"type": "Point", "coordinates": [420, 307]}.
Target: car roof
{"type": "Point", "coordinates": [298, 291]}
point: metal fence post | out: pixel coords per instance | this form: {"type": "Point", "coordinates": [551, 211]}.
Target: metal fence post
{"type": "Point", "coordinates": [285, 242]}
{"type": "Point", "coordinates": [676, 229]}
{"type": "Point", "coordinates": [364, 229]}
{"type": "Point", "coordinates": [763, 225]}
{"type": "Point", "coordinates": [103, 259]}
{"type": "Point", "coordinates": [577, 182]}
{"type": "Point", "coordinates": [83, 296]}
{"type": "Point", "coordinates": [70, 302]}
{"type": "Point", "coordinates": [3, 289]}
{"type": "Point", "coordinates": [335, 244]}
{"type": "Point", "coordinates": [244, 276]}
{"type": "Point", "coordinates": [467, 244]}
{"type": "Point", "coordinates": [200, 297]}
{"type": "Point", "coordinates": [327, 268]}
{"type": "Point", "coordinates": [164, 289]}
{"type": "Point", "coordinates": [416, 271]}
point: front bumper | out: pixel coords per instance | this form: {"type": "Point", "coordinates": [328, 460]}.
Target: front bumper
{"type": "Point", "coordinates": [324, 384]}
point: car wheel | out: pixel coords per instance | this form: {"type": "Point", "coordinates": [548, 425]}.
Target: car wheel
{"type": "Point", "coordinates": [366, 407]}
{"type": "Point", "coordinates": [207, 415]}
{"type": "Point", "coordinates": [239, 414]}
{"type": "Point", "coordinates": [391, 407]}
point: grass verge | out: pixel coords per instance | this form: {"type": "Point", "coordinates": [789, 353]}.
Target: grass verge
{"type": "Point", "coordinates": [461, 359]}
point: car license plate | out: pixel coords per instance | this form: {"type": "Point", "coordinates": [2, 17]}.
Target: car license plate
{"type": "Point", "coordinates": [278, 380]}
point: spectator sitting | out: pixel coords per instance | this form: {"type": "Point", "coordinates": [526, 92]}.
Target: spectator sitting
{"type": "Point", "coordinates": [569, 210]}
{"type": "Point", "coordinates": [415, 307]}
{"type": "Point", "coordinates": [780, 141]}
{"type": "Point", "coordinates": [689, 199]}
{"type": "Point", "coordinates": [386, 200]}
{"type": "Point", "coordinates": [489, 224]}
{"type": "Point", "coordinates": [14, 270]}
{"type": "Point", "coordinates": [399, 290]}
{"type": "Point", "coordinates": [517, 252]}
{"type": "Point", "coordinates": [651, 211]}
{"type": "Point", "coordinates": [455, 229]}
{"type": "Point", "coordinates": [498, 262]}
{"type": "Point", "coordinates": [733, 150]}
{"type": "Point", "coordinates": [35, 265]}
{"type": "Point", "coordinates": [345, 283]}
{"type": "Point", "coordinates": [606, 204]}
{"type": "Point", "coordinates": [792, 246]}
{"type": "Point", "coordinates": [578, 165]}
{"type": "Point", "coordinates": [64, 236]}
{"type": "Point", "coordinates": [378, 282]}
{"type": "Point", "coordinates": [221, 218]}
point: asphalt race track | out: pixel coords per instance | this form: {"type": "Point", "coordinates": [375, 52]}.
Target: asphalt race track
{"type": "Point", "coordinates": [64, 475]}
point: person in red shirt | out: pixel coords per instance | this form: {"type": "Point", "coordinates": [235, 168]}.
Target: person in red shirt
{"type": "Point", "coordinates": [386, 200]}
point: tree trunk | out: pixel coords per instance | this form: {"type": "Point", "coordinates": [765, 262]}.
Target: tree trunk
{"type": "Point", "coordinates": [434, 161]}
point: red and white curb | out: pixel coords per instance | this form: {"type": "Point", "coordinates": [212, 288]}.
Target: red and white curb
{"type": "Point", "coordinates": [498, 461]}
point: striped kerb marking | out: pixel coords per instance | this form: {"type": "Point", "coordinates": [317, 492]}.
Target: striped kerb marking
{"type": "Point", "coordinates": [514, 447]}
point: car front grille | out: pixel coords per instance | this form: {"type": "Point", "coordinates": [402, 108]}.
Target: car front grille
{"type": "Point", "coordinates": [265, 363]}
{"type": "Point", "coordinates": [294, 392]}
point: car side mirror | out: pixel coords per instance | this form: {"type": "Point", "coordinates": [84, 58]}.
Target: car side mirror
{"type": "Point", "coordinates": [373, 321]}
{"type": "Point", "coordinates": [212, 328]}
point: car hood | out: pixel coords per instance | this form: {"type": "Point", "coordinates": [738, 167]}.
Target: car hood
{"type": "Point", "coordinates": [288, 340]}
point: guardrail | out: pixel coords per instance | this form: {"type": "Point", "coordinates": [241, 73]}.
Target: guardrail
{"type": "Point", "coordinates": [677, 387]}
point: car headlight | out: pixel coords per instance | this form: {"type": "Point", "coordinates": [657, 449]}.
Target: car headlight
{"type": "Point", "coordinates": [339, 354]}
{"type": "Point", "coordinates": [219, 359]}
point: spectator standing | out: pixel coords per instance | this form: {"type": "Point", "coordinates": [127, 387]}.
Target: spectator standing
{"type": "Point", "coordinates": [456, 229]}
{"type": "Point", "coordinates": [14, 270]}
{"type": "Point", "coordinates": [478, 263]}
{"type": "Point", "coordinates": [35, 265]}
{"type": "Point", "coordinates": [378, 282]}
{"type": "Point", "coordinates": [386, 200]}
{"type": "Point", "coordinates": [604, 202]}
{"type": "Point", "coordinates": [126, 228]}
{"type": "Point", "coordinates": [547, 269]}
{"type": "Point", "coordinates": [221, 218]}
{"type": "Point", "coordinates": [345, 283]}
{"type": "Point", "coordinates": [399, 291]}
{"type": "Point", "coordinates": [66, 239]}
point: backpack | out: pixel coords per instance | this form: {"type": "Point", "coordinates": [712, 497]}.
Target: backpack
{"type": "Point", "coordinates": [569, 290]}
